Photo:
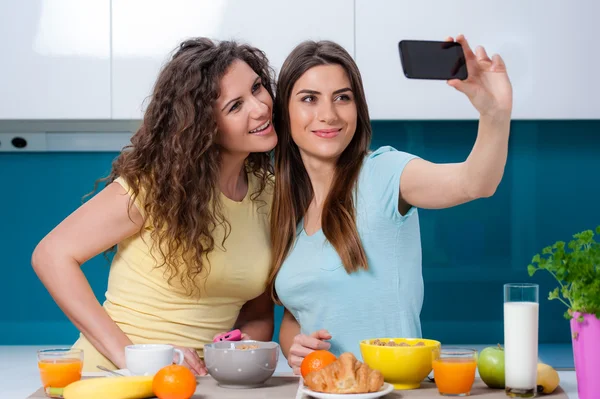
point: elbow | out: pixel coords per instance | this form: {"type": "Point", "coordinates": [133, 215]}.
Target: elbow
{"type": "Point", "coordinates": [42, 256]}
{"type": "Point", "coordinates": [39, 254]}
{"type": "Point", "coordinates": [478, 183]}
{"type": "Point", "coordinates": [484, 189]}
{"type": "Point", "coordinates": [488, 191]}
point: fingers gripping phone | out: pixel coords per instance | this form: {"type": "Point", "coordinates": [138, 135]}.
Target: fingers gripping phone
{"type": "Point", "coordinates": [436, 60]}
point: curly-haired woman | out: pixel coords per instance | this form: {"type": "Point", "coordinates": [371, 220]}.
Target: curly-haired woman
{"type": "Point", "coordinates": [187, 207]}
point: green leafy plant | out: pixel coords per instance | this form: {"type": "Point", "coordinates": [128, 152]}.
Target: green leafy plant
{"type": "Point", "coordinates": [576, 267]}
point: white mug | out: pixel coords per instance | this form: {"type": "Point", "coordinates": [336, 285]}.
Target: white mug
{"type": "Point", "coordinates": [147, 359]}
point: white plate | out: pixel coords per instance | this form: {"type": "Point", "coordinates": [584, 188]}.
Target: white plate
{"type": "Point", "coordinates": [385, 389]}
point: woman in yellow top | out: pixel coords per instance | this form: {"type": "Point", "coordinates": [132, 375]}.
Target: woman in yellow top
{"type": "Point", "coordinates": [187, 207]}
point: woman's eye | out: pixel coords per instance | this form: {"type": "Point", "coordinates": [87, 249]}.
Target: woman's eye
{"type": "Point", "coordinates": [344, 97]}
{"type": "Point", "coordinates": [309, 99]}
{"type": "Point", "coordinates": [235, 106]}
{"type": "Point", "coordinates": [256, 86]}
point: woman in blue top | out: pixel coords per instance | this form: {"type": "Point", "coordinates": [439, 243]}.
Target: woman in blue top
{"type": "Point", "coordinates": [345, 229]}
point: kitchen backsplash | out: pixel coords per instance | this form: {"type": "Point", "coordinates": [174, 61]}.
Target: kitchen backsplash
{"type": "Point", "coordinates": [550, 191]}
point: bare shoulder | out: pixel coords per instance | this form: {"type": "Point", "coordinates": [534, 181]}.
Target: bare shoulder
{"type": "Point", "coordinates": [116, 200]}
{"type": "Point", "coordinates": [102, 222]}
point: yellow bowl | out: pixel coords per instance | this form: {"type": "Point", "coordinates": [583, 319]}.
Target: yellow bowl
{"type": "Point", "coordinates": [402, 366]}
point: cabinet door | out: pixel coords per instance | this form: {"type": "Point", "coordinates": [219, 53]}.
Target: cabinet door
{"type": "Point", "coordinates": [146, 32]}
{"type": "Point", "coordinates": [55, 59]}
{"type": "Point", "coordinates": [548, 46]}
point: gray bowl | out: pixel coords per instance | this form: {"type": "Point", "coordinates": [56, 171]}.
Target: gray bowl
{"type": "Point", "coordinates": [239, 368]}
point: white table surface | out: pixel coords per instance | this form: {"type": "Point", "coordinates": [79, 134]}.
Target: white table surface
{"type": "Point", "coordinates": [20, 376]}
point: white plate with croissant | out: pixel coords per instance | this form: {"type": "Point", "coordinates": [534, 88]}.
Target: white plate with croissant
{"type": "Point", "coordinates": [385, 389]}
{"type": "Point", "coordinates": [347, 377]}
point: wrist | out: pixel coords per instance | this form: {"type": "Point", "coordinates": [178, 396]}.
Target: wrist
{"type": "Point", "coordinates": [118, 358]}
{"type": "Point", "coordinates": [118, 353]}
{"type": "Point", "coordinates": [496, 117]}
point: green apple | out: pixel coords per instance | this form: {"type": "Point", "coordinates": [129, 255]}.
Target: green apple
{"type": "Point", "coordinates": [491, 366]}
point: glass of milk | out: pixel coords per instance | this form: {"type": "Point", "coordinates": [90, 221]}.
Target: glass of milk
{"type": "Point", "coordinates": [521, 309]}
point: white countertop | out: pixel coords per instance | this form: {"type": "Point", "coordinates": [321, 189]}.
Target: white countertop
{"type": "Point", "coordinates": [20, 376]}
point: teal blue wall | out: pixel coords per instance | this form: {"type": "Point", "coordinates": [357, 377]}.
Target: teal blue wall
{"type": "Point", "coordinates": [550, 190]}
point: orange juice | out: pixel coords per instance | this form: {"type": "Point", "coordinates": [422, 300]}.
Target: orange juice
{"type": "Point", "coordinates": [58, 373]}
{"type": "Point", "coordinates": [454, 376]}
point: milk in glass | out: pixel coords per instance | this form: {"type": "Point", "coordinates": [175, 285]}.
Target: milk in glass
{"type": "Point", "coordinates": [521, 315]}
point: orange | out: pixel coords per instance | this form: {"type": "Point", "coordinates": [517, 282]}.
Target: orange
{"type": "Point", "coordinates": [174, 382]}
{"type": "Point", "coordinates": [316, 360]}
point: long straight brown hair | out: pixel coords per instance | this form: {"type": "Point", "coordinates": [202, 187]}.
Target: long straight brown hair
{"type": "Point", "coordinates": [293, 189]}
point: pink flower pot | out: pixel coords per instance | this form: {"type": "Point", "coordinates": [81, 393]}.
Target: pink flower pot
{"type": "Point", "coordinates": [586, 353]}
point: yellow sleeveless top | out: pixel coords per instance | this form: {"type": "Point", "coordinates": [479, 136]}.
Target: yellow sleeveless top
{"type": "Point", "coordinates": [150, 310]}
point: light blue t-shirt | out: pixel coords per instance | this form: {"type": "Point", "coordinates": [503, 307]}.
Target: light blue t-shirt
{"type": "Point", "coordinates": [384, 301]}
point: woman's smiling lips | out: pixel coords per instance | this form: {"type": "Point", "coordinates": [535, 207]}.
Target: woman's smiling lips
{"type": "Point", "coordinates": [327, 133]}
{"type": "Point", "coordinates": [264, 129]}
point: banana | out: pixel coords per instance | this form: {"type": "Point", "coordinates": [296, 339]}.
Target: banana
{"type": "Point", "coordinates": [134, 387]}
{"type": "Point", "coordinates": [547, 378]}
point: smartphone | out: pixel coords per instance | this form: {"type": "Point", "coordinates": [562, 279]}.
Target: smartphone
{"type": "Point", "coordinates": [436, 60]}
{"type": "Point", "coordinates": [235, 335]}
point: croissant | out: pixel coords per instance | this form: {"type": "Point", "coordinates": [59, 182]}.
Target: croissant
{"type": "Point", "coordinates": [345, 375]}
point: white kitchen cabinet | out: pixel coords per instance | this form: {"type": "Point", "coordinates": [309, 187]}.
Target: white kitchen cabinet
{"type": "Point", "coordinates": [549, 47]}
{"type": "Point", "coordinates": [55, 59]}
{"type": "Point", "coordinates": [144, 33]}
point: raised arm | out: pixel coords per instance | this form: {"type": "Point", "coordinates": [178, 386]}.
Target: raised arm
{"type": "Point", "coordinates": [96, 226]}
{"type": "Point", "coordinates": [428, 185]}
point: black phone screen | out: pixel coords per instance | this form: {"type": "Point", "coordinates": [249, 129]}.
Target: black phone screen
{"type": "Point", "coordinates": [432, 60]}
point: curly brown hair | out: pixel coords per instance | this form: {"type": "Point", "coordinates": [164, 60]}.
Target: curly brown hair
{"type": "Point", "coordinates": [174, 159]}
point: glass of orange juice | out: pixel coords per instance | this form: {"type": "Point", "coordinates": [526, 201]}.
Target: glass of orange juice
{"type": "Point", "coordinates": [454, 371]}
{"type": "Point", "coordinates": [58, 368]}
